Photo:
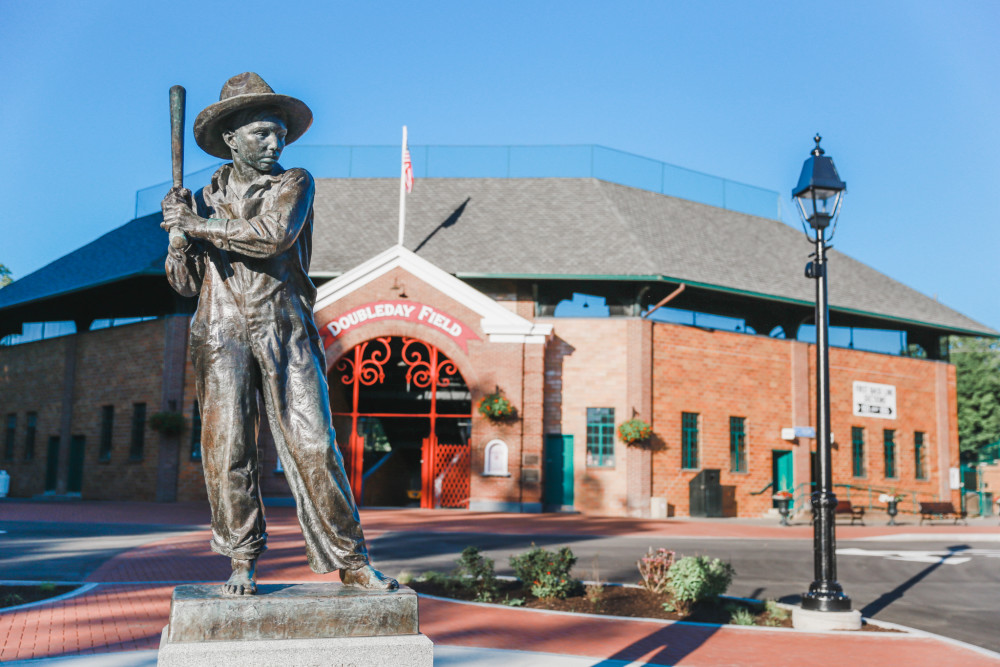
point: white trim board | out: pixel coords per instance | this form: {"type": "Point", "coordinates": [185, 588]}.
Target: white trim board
{"type": "Point", "coordinates": [498, 323]}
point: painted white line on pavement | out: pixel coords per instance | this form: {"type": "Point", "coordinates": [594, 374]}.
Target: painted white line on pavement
{"type": "Point", "coordinates": [929, 537]}
{"type": "Point", "coordinates": [946, 557]}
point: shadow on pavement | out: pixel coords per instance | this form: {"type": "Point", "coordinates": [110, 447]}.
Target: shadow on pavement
{"type": "Point", "coordinates": [666, 646]}
{"type": "Point", "coordinates": [887, 599]}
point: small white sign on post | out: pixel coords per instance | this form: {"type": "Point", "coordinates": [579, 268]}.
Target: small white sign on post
{"type": "Point", "coordinates": [874, 400]}
{"type": "Point", "coordinates": [954, 478]}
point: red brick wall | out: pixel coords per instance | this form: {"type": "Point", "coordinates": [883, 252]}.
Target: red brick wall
{"type": "Point", "coordinates": [586, 365]}
{"type": "Point", "coordinates": [119, 366]}
{"type": "Point", "coordinates": [31, 380]}
{"type": "Point", "coordinates": [720, 374]}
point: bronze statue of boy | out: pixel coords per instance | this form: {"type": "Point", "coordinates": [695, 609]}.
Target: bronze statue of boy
{"type": "Point", "coordinates": [249, 242]}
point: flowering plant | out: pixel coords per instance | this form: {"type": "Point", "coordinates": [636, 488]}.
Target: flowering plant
{"type": "Point", "coordinates": [893, 497]}
{"type": "Point", "coordinates": [167, 423]}
{"type": "Point", "coordinates": [495, 406]}
{"type": "Point", "coordinates": [782, 495]}
{"type": "Point", "coordinates": [634, 431]}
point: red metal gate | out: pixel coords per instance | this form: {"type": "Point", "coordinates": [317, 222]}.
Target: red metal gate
{"type": "Point", "coordinates": [445, 468]}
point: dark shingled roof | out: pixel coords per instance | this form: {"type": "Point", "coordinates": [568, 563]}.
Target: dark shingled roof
{"type": "Point", "coordinates": [537, 227]}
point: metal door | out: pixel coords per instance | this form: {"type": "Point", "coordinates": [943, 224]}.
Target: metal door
{"type": "Point", "coordinates": [558, 492]}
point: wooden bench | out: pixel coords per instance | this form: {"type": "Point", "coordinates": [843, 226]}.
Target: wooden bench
{"type": "Point", "coordinates": [845, 508]}
{"type": "Point", "coordinates": [940, 510]}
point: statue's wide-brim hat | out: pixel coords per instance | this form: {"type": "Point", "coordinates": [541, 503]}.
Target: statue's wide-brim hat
{"type": "Point", "coordinates": [246, 91]}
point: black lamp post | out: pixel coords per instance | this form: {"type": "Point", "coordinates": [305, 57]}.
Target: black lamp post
{"type": "Point", "coordinates": [818, 195]}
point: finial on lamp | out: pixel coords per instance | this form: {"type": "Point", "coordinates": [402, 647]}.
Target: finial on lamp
{"type": "Point", "coordinates": [818, 150]}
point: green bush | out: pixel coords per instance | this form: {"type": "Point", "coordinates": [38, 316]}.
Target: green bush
{"type": "Point", "coordinates": [478, 574]}
{"type": "Point", "coordinates": [697, 579]}
{"type": "Point", "coordinates": [739, 615]}
{"type": "Point", "coordinates": [546, 572]}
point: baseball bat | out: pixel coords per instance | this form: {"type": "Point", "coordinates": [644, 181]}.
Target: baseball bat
{"type": "Point", "coordinates": [177, 98]}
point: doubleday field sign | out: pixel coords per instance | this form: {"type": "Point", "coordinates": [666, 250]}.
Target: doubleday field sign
{"type": "Point", "coordinates": [398, 310]}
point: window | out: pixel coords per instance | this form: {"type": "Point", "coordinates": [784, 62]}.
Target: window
{"type": "Point", "coordinates": [689, 440]}
{"type": "Point", "coordinates": [737, 444]}
{"type": "Point", "coordinates": [107, 427]}
{"type": "Point", "coordinates": [29, 436]}
{"type": "Point", "coordinates": [918, 454]}
{"type": "Point", "coordinates": [8, 446]}
{"type": "Point", "coordinates": [195, 432]}
{"type": "Point", "coordinates": [600, 437]}
{"type": "Point", "coordinates": [138, 431]}
{"type": "Point", "coordinates": [858, 450]}
{"type": "Point", "coordinates": [889, 450]}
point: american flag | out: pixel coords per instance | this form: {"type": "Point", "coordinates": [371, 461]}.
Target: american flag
{"type": "Point", "coordinates": [407, 170]}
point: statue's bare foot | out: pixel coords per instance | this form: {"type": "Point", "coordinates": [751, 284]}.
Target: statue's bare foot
{"type": "Point", "coordinates": [369, 578]}
{"type": "Point", "coordinates": [243, 581]}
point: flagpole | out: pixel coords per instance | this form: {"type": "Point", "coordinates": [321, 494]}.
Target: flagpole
{"type": "Point", "coordinates": [402, 190]}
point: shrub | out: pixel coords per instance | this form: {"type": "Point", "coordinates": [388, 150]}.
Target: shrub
{"type": "Point", "coordinates": [695, 579]}
{"type": "Point", "coordinates": [634, 431]}
{"type": "Point", "coordinates": [653, 568]}
{"type": "Point", "coordinates": [479, 574]}
{"type": "Point", "coordinates": [547, 572]}
{"type": "Point", "coordinates": [739, 615]}
{"type": "Point", "coordinates": [167, 423]}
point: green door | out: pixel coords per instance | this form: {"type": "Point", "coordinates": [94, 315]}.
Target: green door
{"type": "Point", "coordinates": [52, 464]}
{"type": "Point", "coordinates": [74, 483]}
{"type": "Point", "coordinates": [782, 471]}
{"type": "Point", "coordinates": [558, 471]}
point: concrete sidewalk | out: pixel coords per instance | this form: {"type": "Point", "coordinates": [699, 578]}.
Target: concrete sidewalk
{"type": "Point", "coordinates": [118, 621]}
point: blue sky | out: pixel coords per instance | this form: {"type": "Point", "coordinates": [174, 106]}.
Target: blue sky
{"type": "Point", "coordinates": [905, 94]}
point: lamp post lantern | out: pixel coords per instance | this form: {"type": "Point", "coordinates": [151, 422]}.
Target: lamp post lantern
{"type": "Point", "coordinates": [818, 195]}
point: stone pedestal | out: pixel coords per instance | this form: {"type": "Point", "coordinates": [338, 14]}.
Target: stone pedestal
{"type": "Point", "coordinates": [303, 624]}
{"type": "Point", "coordinates": [807, 619]}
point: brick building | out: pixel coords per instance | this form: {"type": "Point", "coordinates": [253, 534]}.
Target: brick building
{"type": "Point", "coordinates": [536, 289]}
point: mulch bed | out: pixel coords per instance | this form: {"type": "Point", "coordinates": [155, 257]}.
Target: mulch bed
{"type": "Point", "coordinates": [620, 601]}
{"type": "Point", "coordinates": [12, 596]}
{"type": "Point", "coordinates": [614, 601]}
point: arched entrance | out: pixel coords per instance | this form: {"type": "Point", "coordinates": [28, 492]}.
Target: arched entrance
{"type": "Point", "coordinates": [403, 415]}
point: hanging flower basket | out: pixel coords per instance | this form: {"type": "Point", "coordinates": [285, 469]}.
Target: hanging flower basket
{"type": "Point", "coordinates": [635, 432]}
{"type": "Point", "coordinates": [496, 407]}
{"type": "Point", "coordinates": [167, 423]}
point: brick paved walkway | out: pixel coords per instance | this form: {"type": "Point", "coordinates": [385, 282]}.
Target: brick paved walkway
{"type": "Point", "coordinates": [130, 606]}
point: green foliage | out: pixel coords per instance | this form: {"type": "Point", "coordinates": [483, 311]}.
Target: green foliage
{"type": "Point", "coordinates": [167, 423]}
{"type": "Point", "coordinates": [977, 365]}
{"type": "Point", "coordinates": [477, 574]}
{"type": "Point", "coordinates": [11, 600]}
{"type": "Point", "coordinates": [634, 431]}
{"type": "Point", "coordinates": [774, 613]}
{"type": "Point", "coordinates": [653, 568]}
{"type": "Point", "coordinates": [496, 406]}
{"type": "Point", "coordinates": [513, 602]}
{"type": "Point", "coordinates": [547, 572]}
{"type": "Point", "coordinates": [5, 276]}
{"type": "Point", "coordinates": [740, 615]}
{"type": "Point", "coordinates": [695, 579]}
{"type": "Point", "coordinates": [405, 577]}
{"type": "Point", "coordinates": [47, 587]}
{"type": "Point", "coordinates": [449, 582]}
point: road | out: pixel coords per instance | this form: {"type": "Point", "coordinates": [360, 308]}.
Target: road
{"type": "Point", "coordinates": [947, 586]}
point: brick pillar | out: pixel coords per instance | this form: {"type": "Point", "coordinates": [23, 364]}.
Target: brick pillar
{"type": "Point", "coordinates": [639, 462]}
{"type": "Point", "coordinates": [942, 439]}
{"type": "Point", "coordinates": [66, 416]}
{"type": "Point", "coordinates": [801, 412]}
{"type": "Point", "coordinates": [532, 417]}
{"type": "Point", "coordinates": [175, 331]}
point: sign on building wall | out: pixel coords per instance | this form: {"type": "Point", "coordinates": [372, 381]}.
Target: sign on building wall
{"type": "Point", "coordinates": [874, 400]}
{"type": "Point", "coordinates": [397, 310]}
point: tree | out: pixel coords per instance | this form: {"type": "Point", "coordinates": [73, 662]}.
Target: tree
{"type": "Point", "coordinates": [977, 365]}
{"type": "Point", "coordinates": [5, 276]}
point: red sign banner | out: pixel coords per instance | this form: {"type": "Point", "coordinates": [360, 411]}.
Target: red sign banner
{"type": "Point", "coordinates": [398, 310]}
